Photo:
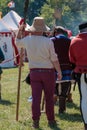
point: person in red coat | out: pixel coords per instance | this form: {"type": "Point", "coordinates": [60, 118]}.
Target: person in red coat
{"type": "Point", "coordinates": [78, 56]}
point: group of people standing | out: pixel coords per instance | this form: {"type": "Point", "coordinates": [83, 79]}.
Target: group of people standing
{"type": "Point", "coordinates": [52, 59]}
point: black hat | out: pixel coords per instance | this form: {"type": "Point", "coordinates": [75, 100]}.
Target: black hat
{"type": "Point", "coordinates": [83, 25]}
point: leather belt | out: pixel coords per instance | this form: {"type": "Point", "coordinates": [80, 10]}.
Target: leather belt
{"type": "Point", "coordinates": [42, 70]}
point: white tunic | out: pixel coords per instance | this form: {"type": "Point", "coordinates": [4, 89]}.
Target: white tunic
{"type": "Point", "coordinates": [40, 51]}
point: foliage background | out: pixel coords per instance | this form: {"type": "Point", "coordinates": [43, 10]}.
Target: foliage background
{"type": "Point", "coordinates": [72, 12]}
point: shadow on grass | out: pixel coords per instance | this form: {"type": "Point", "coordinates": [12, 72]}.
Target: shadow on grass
{"type": "Point", "coordinates": [5, 102]}
{"type": "Point", "coordinates": [72, 105]}
{"type": "Point", "coordinates": [10, 67]}
{"type": "Point", "coordinates": [55, 128]}
{"type": "Point", "coordinates": [70, 117]}
{"type": "Point", "coordinates": [29, 123]}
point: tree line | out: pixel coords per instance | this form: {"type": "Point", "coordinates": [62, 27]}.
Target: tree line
{"type": "Point", "coordinates": [67, 13]}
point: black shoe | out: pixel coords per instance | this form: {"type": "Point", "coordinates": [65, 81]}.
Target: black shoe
{"type": "Point", "coordinates": [52, 123]}
{"type": "Point", "coordinates": [35, 124]}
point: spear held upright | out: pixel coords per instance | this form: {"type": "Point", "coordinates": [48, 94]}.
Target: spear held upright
{"type": "Point", "coordinates": [25, 9]}
{"type": "Point", "coordinates": [21, 61]}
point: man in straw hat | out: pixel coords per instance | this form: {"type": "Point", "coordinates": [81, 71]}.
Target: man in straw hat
{"type": "Point", "coordinates": [42, 61]}
{"type": "Point", "coordinates": [78, 56]}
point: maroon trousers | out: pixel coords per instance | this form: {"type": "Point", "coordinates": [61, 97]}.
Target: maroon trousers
{"type": "Point", "coordinates": [42, 79]}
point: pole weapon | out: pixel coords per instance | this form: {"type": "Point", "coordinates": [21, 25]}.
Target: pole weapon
{"type": "Point", "coordinates": [21, 61]}
{"type": "Point", "coordinates": [25, 9]}
{"type": "Point", "coordinates": [19, 80]}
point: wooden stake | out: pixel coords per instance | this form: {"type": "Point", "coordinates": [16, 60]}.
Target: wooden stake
{"type": "Point", "coordinates": [19, 80]}
{"type": "Point", "coordinates": [43, 102]}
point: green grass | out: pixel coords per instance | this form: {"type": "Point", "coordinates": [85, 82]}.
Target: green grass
{"type": "Point", "coordinates": [71, 120]}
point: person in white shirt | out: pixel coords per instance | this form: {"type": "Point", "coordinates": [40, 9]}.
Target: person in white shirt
{"type": "Point", "coordinates": [42, 61]}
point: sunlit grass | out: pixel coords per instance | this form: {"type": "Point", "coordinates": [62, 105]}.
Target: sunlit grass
{"type": "Point", "coordinates": [71, 120]}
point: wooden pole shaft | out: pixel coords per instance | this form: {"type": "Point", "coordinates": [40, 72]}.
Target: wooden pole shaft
{"type": "Point", "coordinates": [19, 80]}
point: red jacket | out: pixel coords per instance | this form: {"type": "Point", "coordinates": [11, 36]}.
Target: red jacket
{"type": "Point", "coordinates": [78, 52]}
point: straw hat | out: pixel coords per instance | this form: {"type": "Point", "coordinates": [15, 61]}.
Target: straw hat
{"type": "Point", "coordinates": [39, 25]}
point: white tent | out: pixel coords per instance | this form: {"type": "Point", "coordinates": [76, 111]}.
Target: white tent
{"type": "Point", "coordinates": [4, 27]}
{"type": "Point", "coordinates": [12, 19]}
{"type": "Point", "coordinates": [8, 46]}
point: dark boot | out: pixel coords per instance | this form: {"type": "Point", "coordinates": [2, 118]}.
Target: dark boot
{"type": "Point", "coordinates": [52, 123]}
{"type": "Point", "coordinates": [85, 126]}
{"type": "Point", "coordinates": [69, 98]}
{"type": "Point", "coordinates": [35, 124]}
{"type": "Point", "coordinates": [62, 104]}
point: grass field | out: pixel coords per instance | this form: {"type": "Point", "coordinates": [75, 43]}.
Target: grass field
{"type": "Point", "coordinates": [71, 120]}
